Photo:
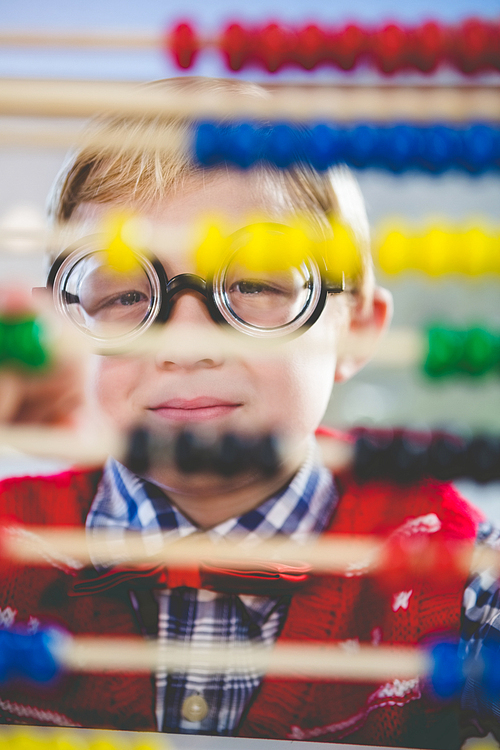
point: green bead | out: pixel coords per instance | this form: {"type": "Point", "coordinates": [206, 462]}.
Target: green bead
{"type": "Point", "coordinates": [445, 351]}
{"type": "Point", "coordinates": [480, 352]}
{"type": "Point", "coordinates": [21, 343]}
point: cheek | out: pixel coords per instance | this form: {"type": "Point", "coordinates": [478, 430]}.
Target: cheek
{"type": "Point", "coordinates": [113, 383]}
{"type": "Point", "coordinates": [296, 388]}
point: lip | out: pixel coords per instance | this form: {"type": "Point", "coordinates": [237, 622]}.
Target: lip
{"type": "Point", "coordinates": [199, 409]}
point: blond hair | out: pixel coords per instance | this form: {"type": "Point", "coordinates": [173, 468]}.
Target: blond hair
{"type": "Point", "coordinates": [128, 172]}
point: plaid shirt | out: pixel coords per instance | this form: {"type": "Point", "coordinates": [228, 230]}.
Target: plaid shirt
{"type": "Point", "coordinates": [303, 508]}
{"type": "Point", "coordinates": [480, 627]}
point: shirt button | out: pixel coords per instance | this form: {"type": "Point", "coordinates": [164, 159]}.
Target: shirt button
{"type": "Point", "coordinates": [194, 708]}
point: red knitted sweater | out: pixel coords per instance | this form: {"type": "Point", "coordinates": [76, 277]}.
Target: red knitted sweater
{"type": "Point", "coordinates": [327, 609]}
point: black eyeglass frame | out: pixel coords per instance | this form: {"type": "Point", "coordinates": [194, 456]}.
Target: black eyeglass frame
{"type": "Point", "coordinates": [209, 289]}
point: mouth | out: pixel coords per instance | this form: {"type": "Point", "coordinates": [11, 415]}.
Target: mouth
{"type": "Point", "coordinates": [194, 410]}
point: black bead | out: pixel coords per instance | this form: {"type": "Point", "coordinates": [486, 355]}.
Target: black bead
{"type": "Point", "coordinates": [372, 456]}
{"type": "Point", "coordinates": [190, 455]}
{"type": "Point", "coordinates": [138, 458]}
{"type": "Point", "coordinates": [267, 455]}
{"type": "Point", "coordinates": [407, 459]}
{"type": "Point", "coordinates": [230, 456]}
{"type": "Point", "coordinates": [447, 457]}
{"type": "Point", "coordinates": [483, 459]}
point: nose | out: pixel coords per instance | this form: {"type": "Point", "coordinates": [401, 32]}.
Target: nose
{"type": "Point", "coordinates": [188, 317]}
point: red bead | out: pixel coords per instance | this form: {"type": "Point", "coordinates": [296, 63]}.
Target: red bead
{"type": "Point", "coordinates": [184, 45]}
{"type": "Point", "coordinates": [471, 45]}
{"type": "Point", "coordinates": [389, 47]}
{"type": "Point", "coordinates": [346, 46]}
{"type": "Point", "coordinates": [274, 46]}
{"type": "Point", "coordinates": [236, 45]}
{"type": "Point", "coordinates": [312, 45]}
{"type": "Point", "coordinates": [426, 46]}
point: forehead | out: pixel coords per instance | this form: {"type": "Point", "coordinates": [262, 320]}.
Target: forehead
{"type": "Point", "coordinates": [174, 221]}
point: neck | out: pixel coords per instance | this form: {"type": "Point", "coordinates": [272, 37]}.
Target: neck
{"type": "Point", "coordinates": [211, 509]}
{"type": "Point", "coordinates": [207, 504]}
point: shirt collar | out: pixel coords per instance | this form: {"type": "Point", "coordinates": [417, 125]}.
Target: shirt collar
{"type": "Point", "coordinates": [301, 509]}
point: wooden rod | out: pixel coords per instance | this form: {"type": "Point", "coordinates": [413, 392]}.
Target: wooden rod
{"type": "Point", "coordinates": [340, 554]}
{"type": "Point", "coordinates": [333, 103]}
{"type": "Point", "coordinates": [353, 663]}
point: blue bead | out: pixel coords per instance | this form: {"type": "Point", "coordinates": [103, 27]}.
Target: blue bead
{"type": "Point", "coordinates": [208, 144]}
{"type": "Point", "coordinates": [441, 148]}
{"type": "Point", "coordinates": [447, 676]}
{"type": "Point", "coordinates": [401, 145]}
{"type": "Point", "coordinates": [491, 672]}
{"type": "Point", "coordinates": [325, 146]}
{"type": "Point", "coordinates": [243, 144]}
{"type": "Point", "coordinates": [282, 145]}
{"type": "Point", "coordinates": [481, 147]}
{"type": "Point", "coordinates": [363, 145]}
{"type": "Point", "coordinates": [5, 655]}
{"type": "Point", "coordinates": [27, 655]}
{"type": "Point", "coordinates": [41, 665]}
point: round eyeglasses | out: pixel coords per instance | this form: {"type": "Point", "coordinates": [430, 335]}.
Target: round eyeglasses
{"type": "Point", "coordinates": [261, 294]}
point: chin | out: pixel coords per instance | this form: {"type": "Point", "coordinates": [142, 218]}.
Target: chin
{"type": "Point", "coordinates": [203, 483]}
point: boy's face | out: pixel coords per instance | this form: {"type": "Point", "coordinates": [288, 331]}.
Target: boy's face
{"type": "Point", "coordinates": [285, 391]}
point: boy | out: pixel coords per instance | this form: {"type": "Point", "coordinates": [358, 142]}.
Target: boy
{"type": "Point", "coordinates": [286, 393]}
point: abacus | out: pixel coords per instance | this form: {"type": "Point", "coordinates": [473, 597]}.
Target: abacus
{"type": "Point", "coordinates": [397, 129]}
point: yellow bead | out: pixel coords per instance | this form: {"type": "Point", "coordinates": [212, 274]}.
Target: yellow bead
{"type": "Point", "coordinates": [268, 248]}
{"type": "Point", "coordinates": [211, 252]}
{"type": "Point", "coordinates": [69, 739]}
{"type": "Point", "coordinates": [435, 253]}
{"type": "Point", "coordinates": [122, 239]}
{"type": "Point", "coordinates": [340, 253]}
{"type": "Point", "coordinates": [393, 255]}
{"type": "Point", "coordinates": [476, 253]}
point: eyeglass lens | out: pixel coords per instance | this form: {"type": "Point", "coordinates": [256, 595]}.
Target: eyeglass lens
{"type": "Point", "coordinates": [106, 301]}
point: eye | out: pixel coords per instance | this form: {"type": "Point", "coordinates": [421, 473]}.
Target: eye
{"type": "Point", "coordinates": [252, 287]}
{"type": "Point", "coordinates": [129, 298]}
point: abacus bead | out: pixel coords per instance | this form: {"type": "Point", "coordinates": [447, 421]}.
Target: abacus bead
{"type": "Point", "coordinates": [483, 459]}
{"type": "Point", "coordinates": [243, 144]}
{"type": "Point", "coordinates": [470, 44]}
{"type": "Point", "coordinates": [281, 145]}
{"type": "Point", "coordinates": [447, 457]}
{"type": "Point", "coordinates": [371, 456]}
{"type": "Point", "coordinates": [266, 455]}
{"type": "Point", "coordinates": [401, 146]}
{"type": "Point", "coordinates": [40, 664]}
{"type": "Point", "coordinates": [236, 45]}
{"type": "Point", "coordinates": [208, 144]}
{"type": "Point", "coordinates": [490, 678]}
{"type": "Point", "coordinates": [5, 655]}
{"type": "Point", "coordinates": [325, 145]}
{"type": "Point", "coordinates": [408, 459]}
{"type": "Point", "coordinates": [138, 451]}
{"type": "Point", "coordinates": [230, 456]}
{"type": "Point", "coordinates": [447, 677]}
{"type": "Point", "coordinates": [184, 45]}
{"type": "Point", "coordinates": [189, 454]}
{"type": "Point", "coordinates": [481, 147]}
{"type": "Point", "coordinates": [426, 46]}
{"type": "Point", "coordinates": [311, 46]}
{"type": "Point", "coordinates": [363, 145]}
{"type": "Point", "coordinates": [347, 45]}
{"type": "Point", "coordinates": [441, 148]}
{"type": "Point", "coordinates": [273, 47]}
{"type": "Point", "coordinates": [393, 254]}
{"type": "Point", "coordinates": [480, 352]}
{"type": "Point", "coordinates": [445, 352]}
{"type": "Point", "coordinates": [22, 342]}
{"type": "Point", "coordinates": [389, 46]}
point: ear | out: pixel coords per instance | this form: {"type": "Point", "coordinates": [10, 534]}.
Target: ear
{"type": "Point", "coordinates": [363, 334]}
